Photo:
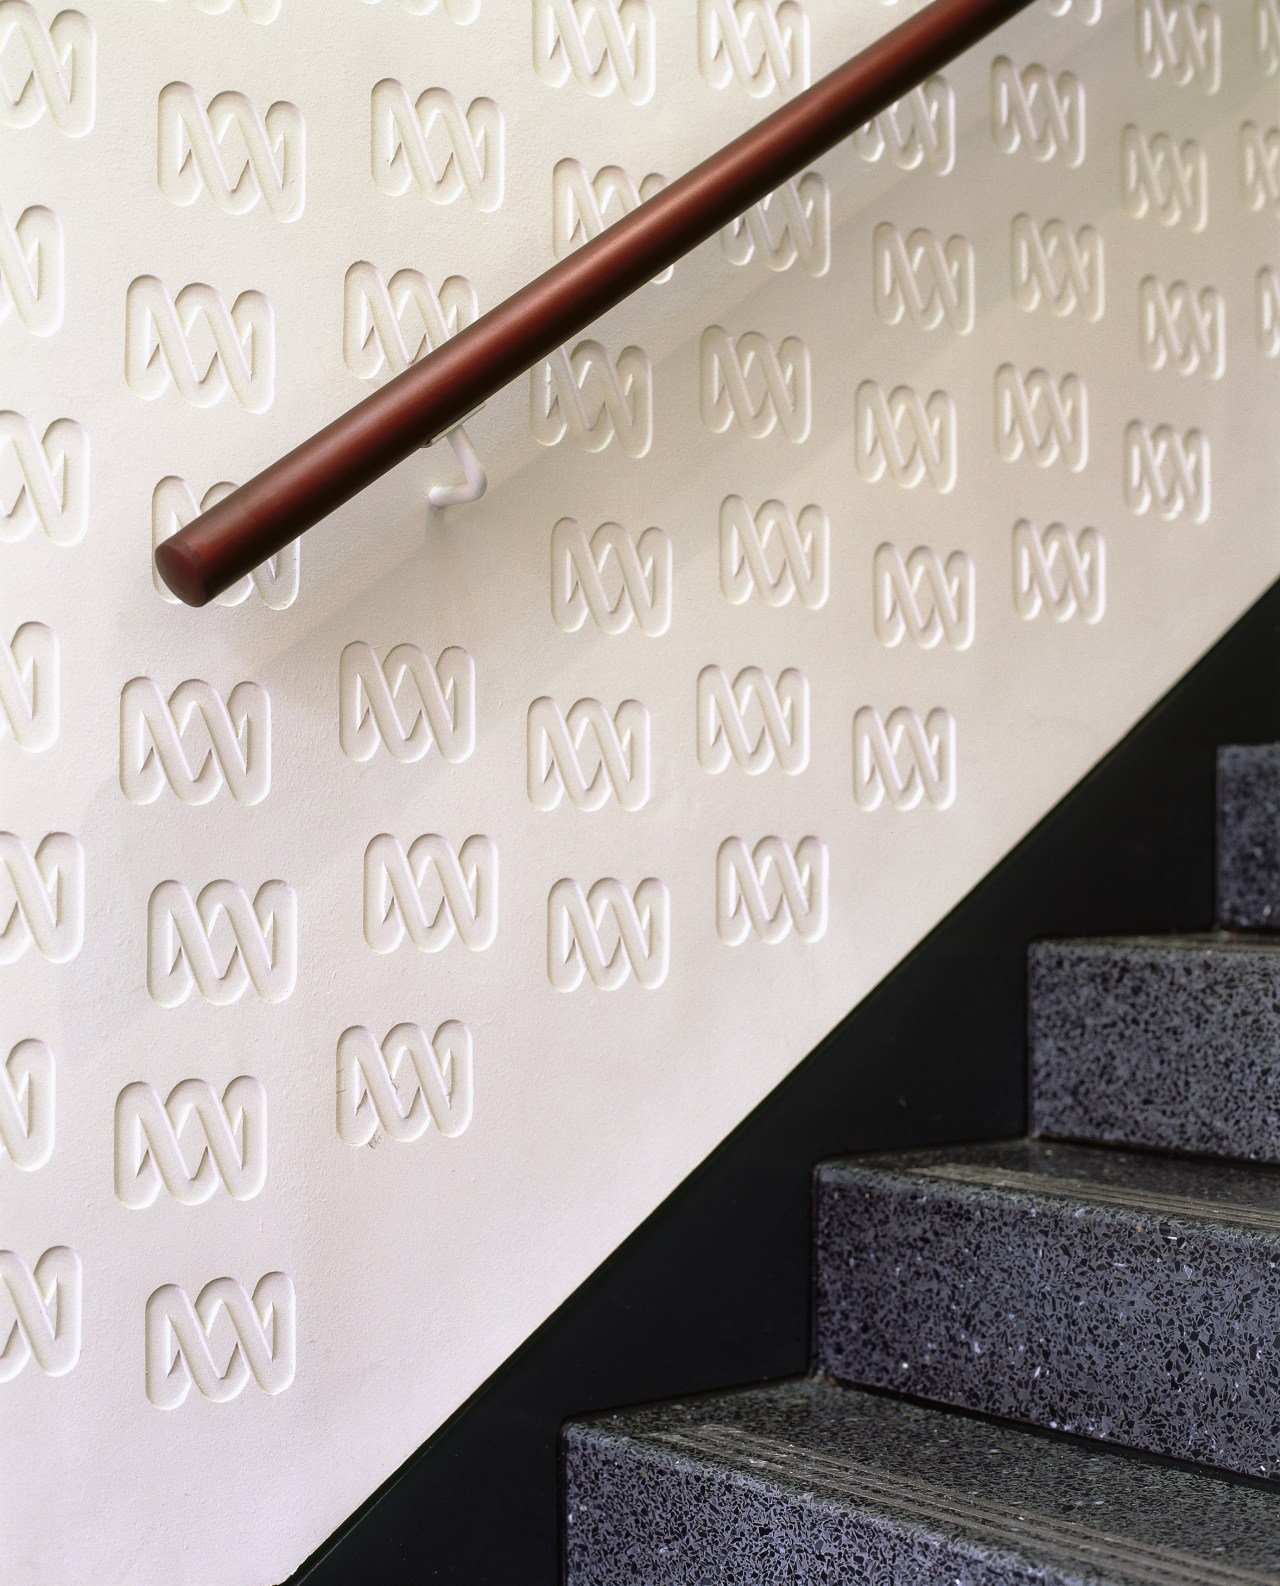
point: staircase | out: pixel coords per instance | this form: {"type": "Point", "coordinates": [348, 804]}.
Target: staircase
{"type": "Point", "coordinates": [1108, 1289]}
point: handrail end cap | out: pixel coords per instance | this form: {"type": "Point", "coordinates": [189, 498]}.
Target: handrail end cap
{"type": "Point", "coordinates": [183, 572]}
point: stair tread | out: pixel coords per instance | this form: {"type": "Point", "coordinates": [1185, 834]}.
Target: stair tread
{"type": "Point", "coordinates": [1120, 1295]}
{"type": "Point", "coordinates": [844, 1485]}
{"type": "Point", "coordinates": [1137, 1183]}
{"type": "Point", "coordinates": [1166, 1042]}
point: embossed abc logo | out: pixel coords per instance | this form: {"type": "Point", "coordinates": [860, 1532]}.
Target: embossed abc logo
{"type": "Point", "coordinates": [41, 1309]}
{"type": "Point", "coordinates": [191, 1143]}
{"type": "Point", "coordinates": [253, 1332]}
{"type": "Point", "coordinates": [28, 1078]}
{"type": "Point", "coordinates": [406, 1083]}
{"type": "Point", "coordinates": [608, 933]}
{"type": "Point", "coordinates": [771, 890]}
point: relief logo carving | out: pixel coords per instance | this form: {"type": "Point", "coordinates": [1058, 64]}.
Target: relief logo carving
{"type": "Point", "coordinates": [790, 225]}
{"type": "Point", "coordinates": [1181, 41]}
{"type": "Point", "coordinates": [28, 1080]}
{"type": "Point", "coordinates": [221, 943]}
{"type": "Point", "coordinates": [916, 130]}
{"type": "Point", "coordinates": [45, 1304]}
{"type": "Point", "coordinates": [196, 344]}
{"type": "Point", "coordinates": [433, 143]}
{"type": "Point", "coordinates": [1058, 268]}
{"type": "Point", "coordinates": [262, 12]}
{"type": "Point", "coordinates": [588, 755]}
{"type": "Point", "coordinates": [612, 576]}
{"type": "Point", "coordinates": [463, 12]}
{"type": "Point", "coordinates": [608, 934]}
{"type": "Point", "coordinates": [191, 1143]}
{"type": "Point", "coordinates": [47, 69]}
{"type": "Point", "coordinates": [389, 324]}
{"type": "Point", "coordinates": [41, 897]}
{"type": "Point", "coordinates": [194, 743]}
{"type": "Point", "coordinates": [594, 397]}
{"type": "Point", "coordinates": [904, 759]}
{"type": "Point", "coordinates": [405, 1083]}
{"type": "Point", "coordinates": [921, 277]}
{"type": "Point", "coordinates": [582, 206]}
{"type": "Point", "coordinates": [774, 553]}
{"type": "Point", "coordinates": [1266, 35]}
{"type": "Point", "coordinates": [29, 694]}
{"type": "Point", "coordinates": [256, 1343]}
{"type": "Point", "coordinates": [1042, 419]}
{"type": "Point", "coordinates": [1035, 110]}
{"type": "Point", "coordinates": [761, 387]}
{"type": "Point", "coordinates": [1087, 11]}
{"type": "Point", "coordinates": [1182, 329]}
{"type": "Point", "coordinates": [603, 46]}
{"type": "Point", "coordinates": [762, 45]}
{"type": "Point", "coordinates": [903, 437]}
{"type": "Point", "coordinates": [1059, 571]}
{"type": "Point", "coordinates": [1260, 166]}
{"type": "Point", "coordinates": [430, 893]}
{"type": "Point", "coordinates": [44, 482]}
{"type": "Point", "coordinates": [1164, 180]}
{"type": "Point", "coordinates": [1167, 471]}
{"type": "Point", "coordinates": [923, 597]}
{"type": "Point", "coordinates": [753, 722]}
{"type": "Point", "coordinates": [174, 505]}
{"type": "Point", "coordinates": [226, 149]}
{"type": "Point", "coordinates": [771, 890]}
{"type": "Point", "coordinates": [406, 705]}
{"type": "Point", "coordinates": [33, 270]}
{"type": "Point", "coordinates": [1269, 311]}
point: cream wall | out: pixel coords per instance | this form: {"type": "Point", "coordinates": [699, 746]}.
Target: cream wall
{"type": "Point", "coordinates": [349, 1021]}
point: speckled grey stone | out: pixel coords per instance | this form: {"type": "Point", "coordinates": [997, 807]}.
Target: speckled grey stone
{"type": "Point", "coordinates": [1116, 1295]}
{"type": "Point", "coordinates": [1249, 836]}
{"type": "Point", "coordinates": [813, 1485]}
{"type": "Point", "coordinates": [1168, 1042]}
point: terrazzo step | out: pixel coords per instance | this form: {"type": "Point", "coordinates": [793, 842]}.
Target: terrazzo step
{"type": "Point", "coordinates": [1116, 1295]}
{"type": "Point", "coordinates": [1170, 1042]}
{"type": "Point", "coordinates": [809, 1483]}
{"type": "Point", "coordinates": [1249, 836]}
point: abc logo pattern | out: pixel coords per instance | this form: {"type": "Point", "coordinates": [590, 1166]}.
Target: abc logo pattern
{"type": "Point", "coordinates": [27, 1112]}
{"type": "Point", "coordinates": [192, 1143]}
{"type": "Point", "coordinates": [405, 1084]}
{"type": "Point", "coordinates": [41, 1308]}
{"type": "Point", "coordinates": [180, 1347]}
{"type": "Point", "coordinates": [793, 586]}
{"type": "Point", "coordinates": [430, 892]}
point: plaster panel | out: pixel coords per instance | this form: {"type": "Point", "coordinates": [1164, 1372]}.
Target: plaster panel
{"type": "Point", "coordinates": [384, 942]}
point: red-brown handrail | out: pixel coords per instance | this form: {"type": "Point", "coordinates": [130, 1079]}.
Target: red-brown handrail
{"type": "Point", "coordinates": [437, 393]}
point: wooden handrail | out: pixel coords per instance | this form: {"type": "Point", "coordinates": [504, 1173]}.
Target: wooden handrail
{"type": "Point", "coordinates": [434, 395]}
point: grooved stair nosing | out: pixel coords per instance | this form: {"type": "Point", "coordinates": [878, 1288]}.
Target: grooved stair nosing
{"type": "Point", "coordinates": [1163, 1566]}
{"type": "Point", "coordinates": [1146, 1205]}
{"type": "Point", "coordinates": [809, 1481]}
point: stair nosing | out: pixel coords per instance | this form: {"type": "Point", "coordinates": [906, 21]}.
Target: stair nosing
{"type": "Point", "coordinates": [1156, 1564]}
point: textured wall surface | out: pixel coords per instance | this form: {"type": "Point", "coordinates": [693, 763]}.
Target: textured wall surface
{"type": "Point", "coordinates": [379, 946]}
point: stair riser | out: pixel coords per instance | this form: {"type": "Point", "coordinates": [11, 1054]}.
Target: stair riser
{"type": "Point", "coordinates": [1134, 1327]}
{"type": "Point", "coordinates": [1175, 1047]}
{"type": "Point", "coordinates": [1249, 837]}
{"type": "Point", "coordinates": [632, 1520]}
